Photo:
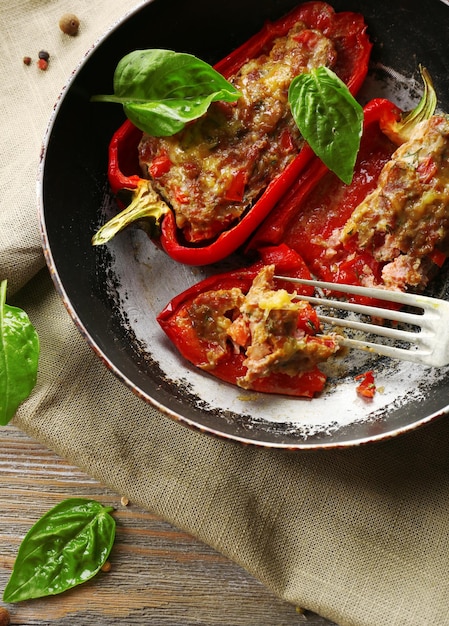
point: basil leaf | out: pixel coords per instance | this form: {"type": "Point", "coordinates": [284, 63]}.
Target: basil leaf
{"type": "Point", "coordinates": [65, 548]}
{"type": "Point", "coordinates": [162, 90]}
{"type": "Point", "coordinates": [19, 355]}
{"type": "Point", "coordinates": [162, 120]}
{"type": "Point", "coordinates": [329, 118]}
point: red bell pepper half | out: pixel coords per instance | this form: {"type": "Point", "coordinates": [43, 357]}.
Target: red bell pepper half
{"type": "Point", "coordinates": [347, 31]}
{"type": "Point", "coordinates": [209, 330]}
{"type": "Point", "coordinates": [316, 211]}
{"type": "Point", "coordinates": [319, 204]}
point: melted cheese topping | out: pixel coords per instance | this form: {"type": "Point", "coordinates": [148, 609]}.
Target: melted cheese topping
{"type": "Point", "coordinates": [221, 163]}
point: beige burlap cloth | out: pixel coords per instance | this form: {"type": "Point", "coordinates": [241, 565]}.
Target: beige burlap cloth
{"type": "Point", "coordinates": [359, 536]}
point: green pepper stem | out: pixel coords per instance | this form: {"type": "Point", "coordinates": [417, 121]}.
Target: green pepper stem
{"type": "Point", "coordinates": [400, 132]}
{"type": "Point", "coordinates": [3, 284]}
{"type": "Point", "coordinates": [145, 204]}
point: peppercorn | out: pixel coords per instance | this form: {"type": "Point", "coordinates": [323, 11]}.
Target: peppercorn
{"type": "Point", "coordinates": [43, 54]}
{"type": "Point", "coordinates": [42, 64]}
{"type": "Point", "coordinates": [69, 24]}
{"type": "Point", "coordinates": [5, 618]}
{"type": "Point", "coordinates": [27, 60]}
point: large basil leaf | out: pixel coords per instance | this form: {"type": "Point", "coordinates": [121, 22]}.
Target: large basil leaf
{"type": "Point", "coordinates": [66, 547]}
{"type": "Point", "coordinates": [19, 355]}
{"type": "Point", "coordinates": [329, 118]}
{"type": "Point", "coordinates": [162, 90]}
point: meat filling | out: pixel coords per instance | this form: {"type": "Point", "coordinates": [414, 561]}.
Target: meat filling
{"type": "Point", "coordinates": [276, 332]}
{"type": "Point", "coordinates": [406, 218]}
{"type": "Point", "coordinates": [220, 164]}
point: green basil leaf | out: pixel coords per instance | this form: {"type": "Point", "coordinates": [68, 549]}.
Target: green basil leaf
{"type": "Point", "coordinates": [19, 355]}
{"type": "Point", "coordinates": [65, 548]}
{"type": "Point", "coordinates": [162, 90]}
{"type": "Point", "coordinates": [161, 120]}
{"type": "Point", "coordinates": [329, 118]}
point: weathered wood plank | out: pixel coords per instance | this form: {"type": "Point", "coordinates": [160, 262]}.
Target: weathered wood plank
{"type": "Point", "coordinates": [159, 574]}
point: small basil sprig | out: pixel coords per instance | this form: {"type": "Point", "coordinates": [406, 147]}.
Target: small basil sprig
{"type": "Point", "coordinates": [162, 90]}
{"type": "Point", "coordinates": [65, 548]}
{"type": "Point", "coordinates": [329, 118]}
{"type": "Point", "coordinates": [19, 355]}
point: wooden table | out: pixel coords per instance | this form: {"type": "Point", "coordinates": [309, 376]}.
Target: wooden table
{"type": "Point", "coordinates": [159, 575]}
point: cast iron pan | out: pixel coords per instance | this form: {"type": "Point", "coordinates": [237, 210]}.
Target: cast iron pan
{"type": "Point", "coordinates": [113, 293]}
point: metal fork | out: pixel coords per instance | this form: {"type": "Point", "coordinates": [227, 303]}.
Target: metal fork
{"type": "Point", "coordinates": [429, 345]}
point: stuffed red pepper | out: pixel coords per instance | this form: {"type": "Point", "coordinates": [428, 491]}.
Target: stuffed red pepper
{"type": "Point", "coordinates": [245, 328]}
{"type": "Point", "coordinates": [390, 226]}
{"type": "Point", "coordinates": [205, 189]}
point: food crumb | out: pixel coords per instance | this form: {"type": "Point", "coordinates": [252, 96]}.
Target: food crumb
{"type": "Point", "coordinates": [248, 398]}
{"type": "Point", "coordinates": [5, 617]}
{"type": "Point", "coordinates": [106, 567]}
{"type": "Point", "coordinates": [69, 24]}
{"type": "Point", "coordinates": [124, 501]}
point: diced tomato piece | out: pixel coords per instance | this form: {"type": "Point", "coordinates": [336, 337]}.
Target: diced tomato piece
{"type": "Point", "coordinates": [239, 332]}
{"type": "Point", "coordinates": [181, 196]}
{"type": "Point", "coordinates": [427, 170]}
{"type": "Point", "coordinates": [308, 320]}
{"type": "Point", "coordinates": [367, 387]}
{"type": "Point", "coordinates": [437, 257]}
{"type": "Point", "coordinates": [236, 189]}
{"type": "Point", "coordinates": [160, 165]}
{"type": "Point", "coordinates": [287, 143]}
{"type": "Point", "coordinates": [307, 38]}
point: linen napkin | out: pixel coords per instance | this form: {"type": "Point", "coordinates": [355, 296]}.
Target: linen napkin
{"type": "Point", "coordinates": [359, 536]}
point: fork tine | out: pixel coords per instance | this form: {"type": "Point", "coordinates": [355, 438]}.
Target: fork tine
{"type": "Point", "coordinates": [363, 309]}
{"type": "Point", "coordinates": [383, 331]}
{"type": "Point", "coordinates": [370, 292]}
{"type": "Point", "coordinates": [404, 354]}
